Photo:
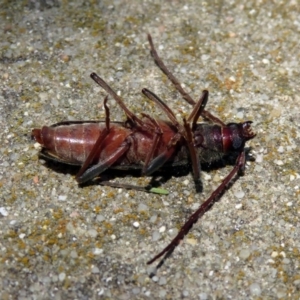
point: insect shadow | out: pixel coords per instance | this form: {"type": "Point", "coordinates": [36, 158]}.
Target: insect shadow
{"type": "Point", "coordinates": [159, 178]}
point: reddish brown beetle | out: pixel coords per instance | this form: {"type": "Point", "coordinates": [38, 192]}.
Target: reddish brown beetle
{"type": "Point", "coordinates": [148, 144]}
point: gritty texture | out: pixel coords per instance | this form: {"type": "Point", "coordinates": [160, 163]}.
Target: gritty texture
{"type": "Point", "coordinates": [62, 241]}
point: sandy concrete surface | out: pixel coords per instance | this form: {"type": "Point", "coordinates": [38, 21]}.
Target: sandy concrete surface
{"type": "Point", "coordinates": [62, 241]}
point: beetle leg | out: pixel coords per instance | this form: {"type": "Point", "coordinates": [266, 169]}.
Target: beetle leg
{"type": "Point", "coordinates": [103, 165]}
{"type": "Point", "coordinates": [130, 115]}
{"type": "Point", "coordinates": [209, 116]}
{"type": "Point", "coordinates": [185, 131]}
{"type": "Point", "coordinates": [198, 108]}
{"type": "Point", "coordinates": [161, 159]}
{"type": "Point", "coordinates": [156, 139]}
{"type": "Point", "coordinates": [98, 145]}
{"type": "Point", "coordinates": [239, 166]}
{"type": "Point", "coordinates": [194, 156]}
{"type": "Point", "coordinates": [153, 97]}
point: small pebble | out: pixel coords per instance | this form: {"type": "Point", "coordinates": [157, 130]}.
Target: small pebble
{"type": "Point", "coordinates": [239, 194]}
{"type": "Point", "coordinates": [202, 296]}
{"type": "Point", "coordinates": [136, 291]}
{"type": "Point", "coordinates": [216, 178]}
{"type": "Point", "coordinates": [240, 115]}
{"type": "Point", "coordinates": [281, 294]}
{"type": "Point", "coordinates": [36, 179]}
{"type": "Point", "coordinates": [280, 149]}
{"type": "Point", "coordinates": [62, 276]}
{"type": "Point", "coordinates": [100, 218]}
{"type": "Point", "coordinates": [43, 97]}
{"type": "Point", "coordinates": [153, 218]}
{"type": "Point", "coordinates": [244, 253]}
{"type": "Point", "coordinates": [282, 253]}
{"type": "Point", "coordinates": [255, 289]}
{"type": "Point", "coordinates": [239, 206]}
{"type": "Point", "coordinates": [278, 162]}
{"type": "Point", "coordinates": [142, 207]}
{"type": "Point", "coordinates": [191, 241]}
{"type": "Point", "coordinates": [62, 197]}
{"type": "Point", "coordinates": [206, 176]}
{"type": "Point", "coordinates": [95, 270]}
{"type": "Point", "coordinates": [275, 113]}
{"type": "Point", "coordinates": [73, 254]}
{"type": "Point", "coordinates": [22, 235]}
{"type": "Point", "coordinates": [3, 211]}
{"type": "Point", "coordinates": [162, 280]}
{"type": "Point", "coordinates": [98, 251]}
{"type": "Point", "coordinates": [259, 158]}
{"type": "Point", "coordinates": [92, 233]}
{"type": "Point", "coordinates": [186, 182]}
{"type": "Point", "coordinates": [162, 293]}
{"type": "Point", "coordinates": [37, 146]}
{"type": "Point", "coordinates": [136, 224]}
{"type": "Point", "coordinates": [162, 229]}
{"type": "Point", "coordinates": [265, 61]}
{"type": "Point", "coordinates": [155, 236]}
{"type": "Point", "coordinates": [297, 282]}
{"type": "Point", "coordinates": [286, 261]}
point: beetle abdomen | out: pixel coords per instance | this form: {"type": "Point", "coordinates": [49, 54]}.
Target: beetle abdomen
{"type": "Point", "coordinates": [71, 143]}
